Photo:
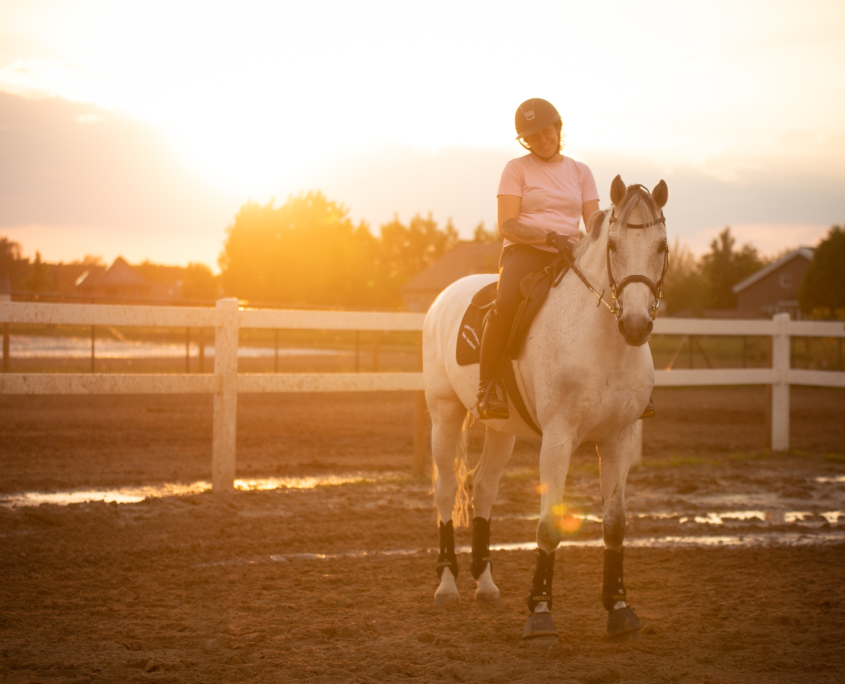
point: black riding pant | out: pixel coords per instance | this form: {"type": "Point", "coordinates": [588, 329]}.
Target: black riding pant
{"type": "Point", "coordinates": [516, 262]}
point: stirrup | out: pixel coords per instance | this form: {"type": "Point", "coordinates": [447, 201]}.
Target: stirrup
{"type": "Point", "coordinates": [489, 406]}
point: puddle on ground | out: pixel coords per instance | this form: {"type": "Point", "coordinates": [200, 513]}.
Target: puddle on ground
{"type": "Point", "coordinates": [825, 480]}
{"type": "Point", "coordinates": [674, 541]}
{"type": "Point", "coordinates": [121, 495]}
{"type": "Point", "coordinates": [772, 517]}
{"type": "Point", "coordinates": [137, 494]}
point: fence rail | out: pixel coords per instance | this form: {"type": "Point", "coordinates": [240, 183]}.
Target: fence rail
{"type": "Point", "coordinates": [226, 383]}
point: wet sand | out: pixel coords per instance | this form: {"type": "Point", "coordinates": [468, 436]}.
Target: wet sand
{"type": "Point", "coordinates": [201, 588]}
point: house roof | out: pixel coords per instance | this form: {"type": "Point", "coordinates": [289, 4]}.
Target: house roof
{"type": "Point", "coordinates": [805, 252]}
{"type": "Point", "coordinates": [465, 258]}
{"type": "Point", "coordinates": [119, 273]}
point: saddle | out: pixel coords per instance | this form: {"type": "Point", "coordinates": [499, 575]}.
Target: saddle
{"type": "Point", "coordinates": [534, 289]}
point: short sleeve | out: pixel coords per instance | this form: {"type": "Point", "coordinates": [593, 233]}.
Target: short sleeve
{"type": "Point", "coordinates": [512, 181]}
{"type": "Point", "coordinates": [588, 185]}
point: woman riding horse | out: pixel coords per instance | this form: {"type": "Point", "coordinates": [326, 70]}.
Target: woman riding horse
{"type": "Point", "coordinates": [542, 198]}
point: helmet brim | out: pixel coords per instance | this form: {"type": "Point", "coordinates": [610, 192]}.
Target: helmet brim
{"type": "Point", "coordinates": [537, 127]}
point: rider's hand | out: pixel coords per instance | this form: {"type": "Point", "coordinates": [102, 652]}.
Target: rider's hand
{"type": "Point", "coordinates": [559, 242]}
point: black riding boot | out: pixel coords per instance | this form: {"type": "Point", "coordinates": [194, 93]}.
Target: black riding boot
{"type": "Point", "coordinates": [492, 402]}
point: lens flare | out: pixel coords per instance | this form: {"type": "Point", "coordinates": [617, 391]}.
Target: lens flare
{"type": "Point", "coordinates": [569, 523]}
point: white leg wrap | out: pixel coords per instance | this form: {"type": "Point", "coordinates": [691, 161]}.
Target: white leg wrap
{"type": "Point", "coordinates": [486, 587]}
{"type": "Point", "coordinates": [447, 592]}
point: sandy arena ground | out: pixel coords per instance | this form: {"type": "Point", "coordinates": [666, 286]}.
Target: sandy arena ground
{"type": "Point", "coordinates": [305, 585]}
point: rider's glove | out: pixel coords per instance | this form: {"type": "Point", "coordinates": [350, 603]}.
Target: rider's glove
{"type": "Point", "coordinates": [559, 242]}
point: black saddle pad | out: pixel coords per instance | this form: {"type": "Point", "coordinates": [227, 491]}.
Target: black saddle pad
{"type": "Point", "coordinates": [534, 289]}
{"type": "Point", "coordinates": [468, 349]}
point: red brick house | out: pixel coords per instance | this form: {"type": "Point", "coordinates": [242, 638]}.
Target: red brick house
{"type": "Point", "coordinates": [465, 258]}
{"type": "Point", "coordinates": [774, 289]}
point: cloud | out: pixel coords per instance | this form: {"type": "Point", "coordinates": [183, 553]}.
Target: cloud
{"type": "Point", "coordinates": [114, 182]}
{"type": "Point", "coordinates": [49, 77]}
{"type": "Point", "coordinates": [106, 180]}
{"type": "Point", "coordinates": [776, 207]}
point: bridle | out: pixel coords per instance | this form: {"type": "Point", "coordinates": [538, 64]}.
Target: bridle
{"type": "Point", "coordinates": [656, 288]}
{"type": "Point", "coordinates": [615, 306]}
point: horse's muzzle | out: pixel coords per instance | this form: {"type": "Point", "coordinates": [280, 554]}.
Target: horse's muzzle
{"type": "Point", "coordinates": [636, 332]}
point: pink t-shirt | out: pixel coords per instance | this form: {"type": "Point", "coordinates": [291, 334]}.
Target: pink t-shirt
{"type": "Point", "coordinates": [552, 193]}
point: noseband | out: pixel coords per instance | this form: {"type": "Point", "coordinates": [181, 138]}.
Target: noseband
{"type": "Point", "coordinates": [656, 288]}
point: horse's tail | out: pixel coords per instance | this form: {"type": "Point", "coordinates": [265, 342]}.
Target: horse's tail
{"type": "Point", "coordinates": [460, 514]}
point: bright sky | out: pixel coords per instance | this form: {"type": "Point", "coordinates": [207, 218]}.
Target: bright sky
{"type": "Point", "coordinates": [261, 99]}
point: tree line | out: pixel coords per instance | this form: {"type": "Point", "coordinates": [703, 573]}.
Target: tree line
{"type": "Point", "coordinates": [694, 286]}
{"type": "Point", "coordinates": [37, 276]}
{"type": "Point", "coordinates": [308, 251]}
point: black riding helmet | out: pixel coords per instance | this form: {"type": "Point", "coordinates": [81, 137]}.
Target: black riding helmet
{"type": "Point", "coordinates": [533, 115]}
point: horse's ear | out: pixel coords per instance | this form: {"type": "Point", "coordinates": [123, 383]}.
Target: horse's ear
{"type": "Point", "coordinates": [617, 191]}
{"type": "Point", "coordinates": [660, 194]}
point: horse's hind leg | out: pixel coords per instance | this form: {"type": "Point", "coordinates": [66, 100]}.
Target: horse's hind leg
{"type": "Point", "coordinates": [485, 485]}
{"type": "Point", "coordinates": [447, 417]}
{"type": "Point", "coordinates": [616, 455]}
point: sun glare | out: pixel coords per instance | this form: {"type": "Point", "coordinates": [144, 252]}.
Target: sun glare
{"type": "Point", "coordinates": [252, 94]}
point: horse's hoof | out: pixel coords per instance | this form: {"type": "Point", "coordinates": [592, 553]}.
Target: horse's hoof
{"type": "Point", "coordinates": [540, 630]}
{"type": "Point", "coordinates": [489, 599]}
{"type": "Point", "coordinates": [623, 624]}
{"type": "Point", "coordinates": [446, 600]}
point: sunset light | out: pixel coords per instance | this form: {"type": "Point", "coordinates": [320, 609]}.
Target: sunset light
{"type": "Point", "coordinates": [443, 341]}
{"type": "Point", "coordinates": [387, 107]}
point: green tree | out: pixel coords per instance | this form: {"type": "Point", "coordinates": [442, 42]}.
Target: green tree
{"type": "Point", "coordinates": [406, 250]}
{"type": "Point", "coordinates": [198, 282]}
{"type": "Point", "coordinates": [723, 267]}
{"type": "Point", "coordinates": [481, 234]}
{"type": "Point", "coordinates": [684, 287]}
{"type": "Point", "coordinates": [822, 292]}
{"type": "Point", "coordinates": [12, 263]}
{"type": "Point", "coordinates": [39, 275]}
{"type": "Point", "coordinates": [305, 252]}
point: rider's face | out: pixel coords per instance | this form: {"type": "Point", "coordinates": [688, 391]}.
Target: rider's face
{"type": "Point", "coordinates": [545, 142]}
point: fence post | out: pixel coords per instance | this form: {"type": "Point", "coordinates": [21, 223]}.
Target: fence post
{"type": "Point", "coordinates": [226, 398]}
{"type": "Point", "coordinates": [5, 298]}
{"type": "Point", "coordinates": [420, 425]}
{"type": "Point", "coordinates": [638, 444]}
{"type": "Point", "coordinates": [376, 336]}
{"type": "Point", "coordinates": [780, 387]}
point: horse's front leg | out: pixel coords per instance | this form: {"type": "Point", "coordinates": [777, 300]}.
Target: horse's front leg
{"type": "Point", "coordinates": [615, 455]}
{"type": "Point", "coordinates": [447, 416]}
{"type": "Point", "coordinates": [555, 454]}
{"type": "Point", "coordinates": [485, 486]}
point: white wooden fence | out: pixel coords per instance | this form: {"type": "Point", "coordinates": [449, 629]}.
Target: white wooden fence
{"type": "Point", "coordinates": [226, 382]}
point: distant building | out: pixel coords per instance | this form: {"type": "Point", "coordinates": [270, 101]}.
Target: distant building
{"type": "Point", "coordinates": [465, 258]}
{"type": "Point", "coordinates": [774, 289]}
{"type": "Point", "coordinates": [122, 281]}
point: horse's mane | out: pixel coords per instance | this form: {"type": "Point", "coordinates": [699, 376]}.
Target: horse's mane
{"type": "Point", "coordinates": [597, 220]}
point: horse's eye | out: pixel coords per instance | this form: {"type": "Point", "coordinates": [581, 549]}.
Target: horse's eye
{"type": "Point", "coordinates": [611, 245]}
{"type": "Point", "coordinates": [662, 248]}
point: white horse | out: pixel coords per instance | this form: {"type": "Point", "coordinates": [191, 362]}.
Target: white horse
{"type": "Point", "coordinates": [584, 374]}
